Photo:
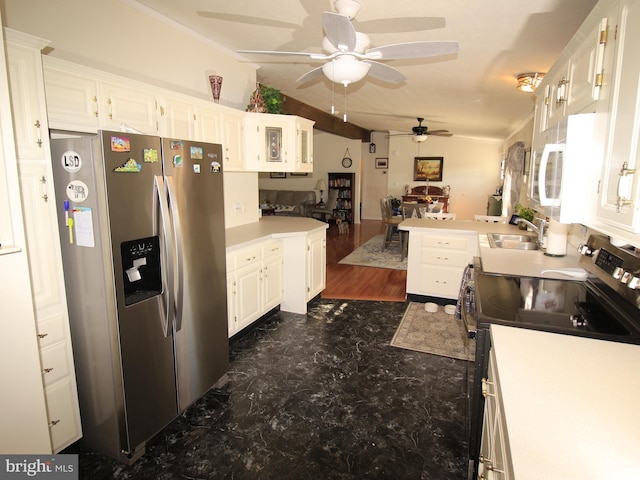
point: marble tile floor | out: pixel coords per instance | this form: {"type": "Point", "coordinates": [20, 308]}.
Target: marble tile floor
{"type": "Point", "coordinates": [317, 396]}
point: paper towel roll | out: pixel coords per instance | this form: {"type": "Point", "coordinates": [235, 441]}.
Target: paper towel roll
{"type": "Point", "coordinates": [557, 239]}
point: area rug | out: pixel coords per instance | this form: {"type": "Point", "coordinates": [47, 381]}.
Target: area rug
{"type": "Point", "coordinates": [371, 254]}
{"type": "Point", "coordinates": [436, 333]}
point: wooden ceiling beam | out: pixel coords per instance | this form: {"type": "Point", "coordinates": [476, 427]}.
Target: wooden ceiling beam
{"type": "Point", "coordinates": [325, 121]}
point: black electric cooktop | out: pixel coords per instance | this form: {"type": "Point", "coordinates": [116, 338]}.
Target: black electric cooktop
{"type": "Point", "coordinates": [561, 306]}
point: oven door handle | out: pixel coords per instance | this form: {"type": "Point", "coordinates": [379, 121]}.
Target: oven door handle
{"type": "Point", "coordinates": [467, 312]}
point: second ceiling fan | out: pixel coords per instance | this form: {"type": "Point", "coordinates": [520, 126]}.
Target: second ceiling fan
{"type": "Point", "coordinates": [348, 58]}
{"type": "Point", "coordinates": [420, 132]}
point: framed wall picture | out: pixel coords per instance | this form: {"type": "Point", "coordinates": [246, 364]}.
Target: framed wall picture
{"type": "Point", "coordinates": [428, 168]}
{"type": "Point", "coordinates": [278, 174]}
{"type": "Point", "coordinates": [382, 163]}
{"type": "Point", "coordinates": [292, 174]}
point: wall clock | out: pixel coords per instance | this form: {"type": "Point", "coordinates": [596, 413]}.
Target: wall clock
{"type": "Point", "coordinates": [346, 160]}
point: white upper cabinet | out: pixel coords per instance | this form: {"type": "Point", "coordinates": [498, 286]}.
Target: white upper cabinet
{"type": "Point", "coordinates": [131, 106]}
{"type": "Point", "coordinates": [587, 69]}
{"type": "Point", "coordinates": [27, 98]}
{"type": "Point", "coordinates": [86, 100]}
{"type": "Point", "coordinates": [618, 210]}
{"type": "Point", "coordinates": [232, 141]}
{"type": "Point", "coordinates": [72, 98]}
{"type": "Point", "coordinates": [177, 118]}
{"type": "Point", "coordinates": [278, 143]}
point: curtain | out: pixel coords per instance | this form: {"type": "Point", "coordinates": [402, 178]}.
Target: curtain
{"type": "Point", "coordinates": [514, 165]}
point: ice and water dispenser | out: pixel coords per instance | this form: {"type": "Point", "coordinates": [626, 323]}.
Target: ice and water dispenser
{"type": "Point", "coordinates": [141, 269]}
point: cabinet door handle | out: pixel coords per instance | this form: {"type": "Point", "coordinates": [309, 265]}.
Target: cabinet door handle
{"type": "Point", "coordinates": [42, 335]}
{"type": "Point", "coordinates": [43, 181]}
{"type": "Point", "coordinates": [623, 173]}
{"type": "Point", "coordinates": [485, 388]}
{"type": "Point", "coordinates": [38, 125]}
{"type": "Point", "coordinates": [53, 423]}
{"type": "Point", "coordinates": [47, 370]}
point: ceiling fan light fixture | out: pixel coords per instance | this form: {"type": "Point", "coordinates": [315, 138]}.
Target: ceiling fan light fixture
{"type": "Point", "coordinates": [528, 82]}
{"type": "Point", "coordinates": [345, 69]}
{"type": "Point", "coordinates": [419, 138]}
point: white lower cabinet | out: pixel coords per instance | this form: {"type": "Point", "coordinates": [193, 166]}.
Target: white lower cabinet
{"type": "Point", "coordinates": [316, 264]}
{"type": "Point", "coordinates": [437, 260]}
{"type": "Point", "coordinates": [494, 462]}
{"type": "Point", "coordinates": [254, 283]}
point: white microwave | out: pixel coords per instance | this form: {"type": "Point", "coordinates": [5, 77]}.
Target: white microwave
{"type": "Point", "coordinates": [560, 169]}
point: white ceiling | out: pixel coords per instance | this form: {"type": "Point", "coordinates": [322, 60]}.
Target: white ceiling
{"type": "Point", "coordinates": [471, 94]}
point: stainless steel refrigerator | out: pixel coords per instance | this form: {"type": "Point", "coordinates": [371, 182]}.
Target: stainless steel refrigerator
{"type": "Point", "coordinates": [142, 232]}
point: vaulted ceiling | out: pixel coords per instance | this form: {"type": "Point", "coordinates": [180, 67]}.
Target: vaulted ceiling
{"type": "Point", "coordinates": [471, 93]}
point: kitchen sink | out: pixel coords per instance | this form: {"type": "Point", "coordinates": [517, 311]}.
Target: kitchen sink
{"type": "Point", "coordinates": [513, 241]}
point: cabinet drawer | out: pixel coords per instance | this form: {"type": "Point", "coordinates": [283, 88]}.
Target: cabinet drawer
{"type": "Point", "coordinates": [54, 363]}
{"type": "Point", "coordinates": [454, 243]}
{"type": "Point", "coordinates": [50, 330]}
{"type": "Point", "coordinates": [246, 256]}
{"type": "Point", "coordinates": [454, 258]}
{"type": "Point", "coordinates": [272, 248]}
{"type": "Point", "coordinates": [440, 281]}
{"type": "Point", "coordinates": [64, 423]}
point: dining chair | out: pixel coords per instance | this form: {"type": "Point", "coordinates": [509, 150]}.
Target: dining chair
{"type": "Point", "coordinates": [390, 222]}
{"type": "Point", "coordinates": [440, 216]}
{"type": "Point", "coordinates": [489, 219]}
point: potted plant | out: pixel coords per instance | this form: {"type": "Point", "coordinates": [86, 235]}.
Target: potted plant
{"type": "Point", "coordinates": [266, 99]}
{"type": "Point", "coordinates": [527, 213]}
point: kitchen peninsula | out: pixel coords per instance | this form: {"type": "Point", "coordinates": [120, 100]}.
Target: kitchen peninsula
{"type": "Point", "coordinates": [439, 250]}
{"type": "Point", "coordinates": [275, 261]}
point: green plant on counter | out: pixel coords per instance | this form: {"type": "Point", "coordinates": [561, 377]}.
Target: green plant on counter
{"type": "Point", "coordinates": [525, 212]}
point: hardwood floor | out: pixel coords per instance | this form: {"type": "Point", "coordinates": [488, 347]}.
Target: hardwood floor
{"type": "Point", "coordinates": [351, 282]}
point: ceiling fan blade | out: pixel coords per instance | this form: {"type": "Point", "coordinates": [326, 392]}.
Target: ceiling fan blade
{"type": "Point", "coordinates": [385, 72]}
{"type": "Point", "coordinates": [315, 56]}
{"type": "Point", "coordinates": [413, 50]}
{"type": "Point", "coordinates": [310, 75]}
{"type": "Point", "coordinates": [440, 133]}
{"type": "Point", "coordinates": [339, 31]}
{"type": "Point", "coordinates": [403, 24]}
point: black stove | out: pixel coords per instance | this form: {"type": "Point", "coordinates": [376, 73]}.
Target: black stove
{"type": "Point", "coordinates": [571, 307]}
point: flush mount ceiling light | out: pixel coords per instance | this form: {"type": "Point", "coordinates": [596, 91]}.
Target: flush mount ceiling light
{"type": "Point", "coordinates": [528, 82]}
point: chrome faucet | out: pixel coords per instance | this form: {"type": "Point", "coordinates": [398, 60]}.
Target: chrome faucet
{"type": "Point", "coordinates": [538, 229]}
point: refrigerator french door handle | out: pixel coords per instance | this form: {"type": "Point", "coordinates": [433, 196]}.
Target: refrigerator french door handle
{"type": "Point", "coordinates": [167, 312]}
{"type": "Point", "coordinates": [179, 254]}
{"type": "Point", "coordinates": [546, 201]}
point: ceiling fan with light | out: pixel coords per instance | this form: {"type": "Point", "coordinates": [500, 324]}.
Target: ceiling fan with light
{"type": "Point", "coordinates": [420, 132]}
{"type": "Point", "coordinates": [347, 56]}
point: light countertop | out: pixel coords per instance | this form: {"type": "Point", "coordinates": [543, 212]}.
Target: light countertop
{"type": "Point", "coordinates": [271, 226]}
{"type": "Point", "coordinates": [530, 263]}
{"type": "Point", "coordinates": [570, 405]}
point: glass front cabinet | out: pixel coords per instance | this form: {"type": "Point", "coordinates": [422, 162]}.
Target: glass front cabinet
{"type": "Point", "coordinates": [278, 143]}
